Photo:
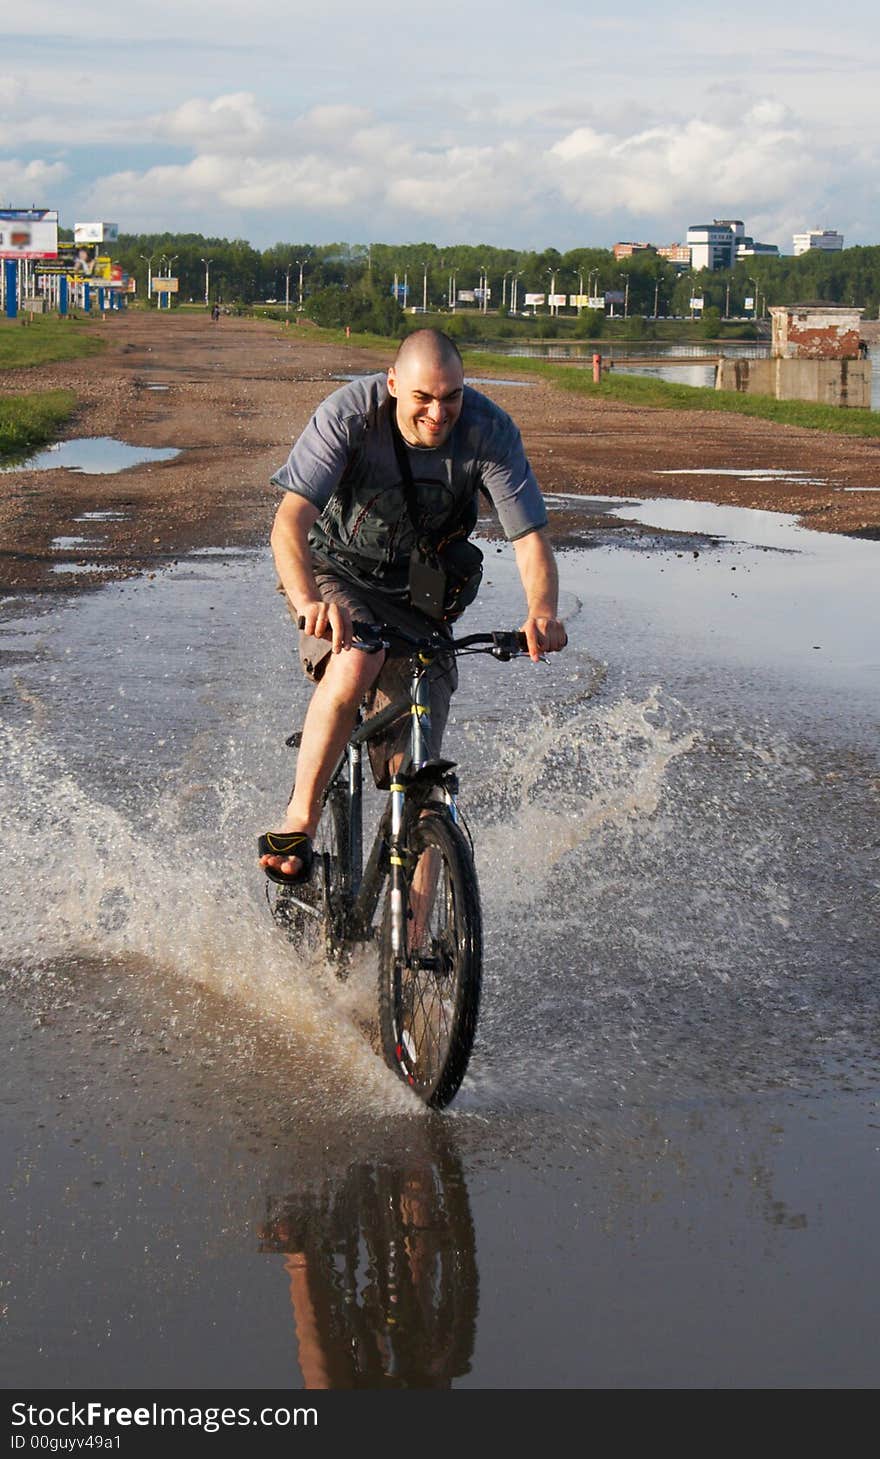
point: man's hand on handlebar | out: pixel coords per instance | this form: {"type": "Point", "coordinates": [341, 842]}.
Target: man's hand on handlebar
{"type": "Point", "coordinates": [326, 620]}
{"type": "Point", "coordinates": [544, 636]}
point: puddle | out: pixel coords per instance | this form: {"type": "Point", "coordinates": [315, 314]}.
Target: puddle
{"type": "Point", "coordinates": [74, 567]}
{"type": "Point", "coordinates": [158, 387]}
{"type": "Point", "coordinates": [218, 552]}
{"type": "Point", "coordinates": [690, 1087]}
{"type": "Point", "coordinates": [93, 455]}
{"type": "Point", "coordinates": [748, 473]}
{"type": "Point", "coordinates": [64, 544]}
{"type": "Point", "coordinates": [477, 380]}
{"type": "Point", "coordinates": [106, 516]}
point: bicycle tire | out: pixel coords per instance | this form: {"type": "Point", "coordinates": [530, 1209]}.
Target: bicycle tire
{"type": "Point", "coordinates": [429, 997]}
{"type": "Point", "coordinates": [333, 872]}
{"type": "Point", "coordinates": [326, 891]}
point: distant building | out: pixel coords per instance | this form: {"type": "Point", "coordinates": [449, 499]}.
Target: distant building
{"type": "Point", "coordinates": [712, 245]}
{"type": "Point", "coordinates": [736, 225]}
{"type": "Point", "coordinates": [748, 248]}
{"type": "Point", "coordinates": [825, 238]}
{"type": "Point", "coordinates": [626, 250]}
{"type": "Point", "coordinates": [717, 245]}
{"type": "Point", "coordinates": [676, 253]}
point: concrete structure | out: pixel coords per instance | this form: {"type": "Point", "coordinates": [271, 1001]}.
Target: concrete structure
{"type": "Point", "coordinates": [825, 238]}
{"type": "Point", "coordinates": [815, 332]}
{"type": "Point", "coordinates": [824, 382]}
{"type": "Point", "coordinates": [815, 355]}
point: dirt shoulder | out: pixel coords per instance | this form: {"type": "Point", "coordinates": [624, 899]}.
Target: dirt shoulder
{"type": "Point", "coordinates": [232, 396]}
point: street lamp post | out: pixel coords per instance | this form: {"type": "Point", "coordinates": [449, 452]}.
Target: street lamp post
{"type": "Point", "coordinates": [452, 278]}
{"type": "Point", "coordinates": [754, 282]}
{"type": "Point", "coordinates": [287, 289]}
{"type": "Point", "coordinates": [656, 296]}
{"type": "Point", "coordinates": [302, 263]}
{"type": "Point", "coordinates": [514, 292]}
{"type": "Point", "coordinates": [425, 287]}
{"type": "Point", "coordinates": [484, 301]}
{"type": "Point", "coordinates": [206, 262]}
{"type": "Point", "coordinates": [148, 260]}
{"type": "Point", "coordinates": [624, 279]}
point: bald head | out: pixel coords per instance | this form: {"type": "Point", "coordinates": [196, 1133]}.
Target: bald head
{"type": "Point", "coordinates": [430, 345]}
{"type": "Point", "coordinates": [427, 383]}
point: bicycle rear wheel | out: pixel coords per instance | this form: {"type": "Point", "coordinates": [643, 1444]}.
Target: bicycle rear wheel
{"type": "Point", "coordinates": [429, 991]}
{"type": "Point", "coordinates": [313, 914]}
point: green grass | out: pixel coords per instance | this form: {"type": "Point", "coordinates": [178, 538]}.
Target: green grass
{"type": "Point", "coordinates": [42, 341]}
{"type": "Point", "coordinates": [642, 390]}
{"type": "Point", "coordinates": [29, 421]}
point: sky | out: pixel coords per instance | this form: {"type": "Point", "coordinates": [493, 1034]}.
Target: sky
{"type": "Point", "coordinates": [521, 125]}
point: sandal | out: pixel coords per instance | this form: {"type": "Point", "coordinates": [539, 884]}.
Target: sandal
{"type": "Point", "coordinates": [287, 843]}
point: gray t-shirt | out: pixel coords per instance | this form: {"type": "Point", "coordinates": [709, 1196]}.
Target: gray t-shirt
{"type": "Point", "coordinates": [346, 465]}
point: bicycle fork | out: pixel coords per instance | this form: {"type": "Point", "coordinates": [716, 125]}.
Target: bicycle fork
{"type": "Point", "coordinates": [442, 783]}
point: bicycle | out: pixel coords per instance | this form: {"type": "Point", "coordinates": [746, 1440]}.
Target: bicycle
{"type": "Point", "coordinates": [430, 930]}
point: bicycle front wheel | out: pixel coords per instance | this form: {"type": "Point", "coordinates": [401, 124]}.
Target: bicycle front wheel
{"type": "Point", "coordinates": [429, 990]}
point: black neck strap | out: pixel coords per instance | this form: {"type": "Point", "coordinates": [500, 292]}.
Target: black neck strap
{"type": "Point", "coordinates": [409, 486]}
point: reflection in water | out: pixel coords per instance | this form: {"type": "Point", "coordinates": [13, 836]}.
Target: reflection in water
{"type": "Point", "coordinates": [382, 1270]}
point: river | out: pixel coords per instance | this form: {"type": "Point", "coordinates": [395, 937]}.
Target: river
{"type": "Point", "coordinates": [662, 1168]}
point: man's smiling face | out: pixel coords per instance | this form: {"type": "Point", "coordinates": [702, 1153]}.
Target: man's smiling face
{"type": "Point", "coordinates": [429, 394]}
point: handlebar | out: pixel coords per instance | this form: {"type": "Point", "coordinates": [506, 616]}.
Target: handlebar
{"type": "Point", "coordinates": [503, 644]}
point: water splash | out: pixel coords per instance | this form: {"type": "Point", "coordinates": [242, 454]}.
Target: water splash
{"type": "Point", "coordinates": [84, 881]}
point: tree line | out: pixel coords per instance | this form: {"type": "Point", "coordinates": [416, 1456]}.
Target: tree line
{"type": "Point", "coordinates": [340, 284]}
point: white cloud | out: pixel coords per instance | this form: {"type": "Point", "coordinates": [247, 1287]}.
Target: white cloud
{"type": "Point", "coordinates": [232, 121]}
{"type": "Point", "coordinates": [760, 163]}
{"type": "Point", "coordinates": [33, 182]}
{"type": "Point", "coordinates": [734, 168]}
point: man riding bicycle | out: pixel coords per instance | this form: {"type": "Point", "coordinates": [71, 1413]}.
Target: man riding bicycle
{"type": "Point", "coordinates": [380, 496]}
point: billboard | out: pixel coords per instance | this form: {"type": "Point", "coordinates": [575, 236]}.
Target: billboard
{"type": "Point", "coordinates": [556, 300]}
{"type": "Point", "coordinates": [579, 301]}
{"type": "Point", "coordinates": [596, 301]}
{"type": "Point", "coordinates": [467, 296]}
{"type": "Point", "coordinates": [696, 302]}
{"type": "Point", "coordinates": [96, 232]}
{"type": "Point", "coordinates": [614, 296]}
{"type": "Point", "coordinates": [163, 285]}
{"type": "Point", "coordinates": [535, 299]}
{"type": "Point", "coordinates": [28, 233]}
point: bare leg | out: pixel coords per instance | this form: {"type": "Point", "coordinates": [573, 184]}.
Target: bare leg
{"type": "Point", "coordinates": [329, 722]}
{"type": "Point", "coordinates": [422, 893]}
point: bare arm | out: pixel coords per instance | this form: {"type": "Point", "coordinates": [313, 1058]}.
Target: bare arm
{"type": "Point", "coordinates": [540, 579]}
{"type": "Point", "coordinates": [293, 561]}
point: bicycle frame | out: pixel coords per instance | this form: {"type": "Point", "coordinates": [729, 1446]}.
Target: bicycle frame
{"type": "Point", "coordinates": [417, 771]}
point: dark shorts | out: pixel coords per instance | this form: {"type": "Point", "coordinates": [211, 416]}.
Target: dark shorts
{"type": "Point", "coordinates": [394, 678]}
